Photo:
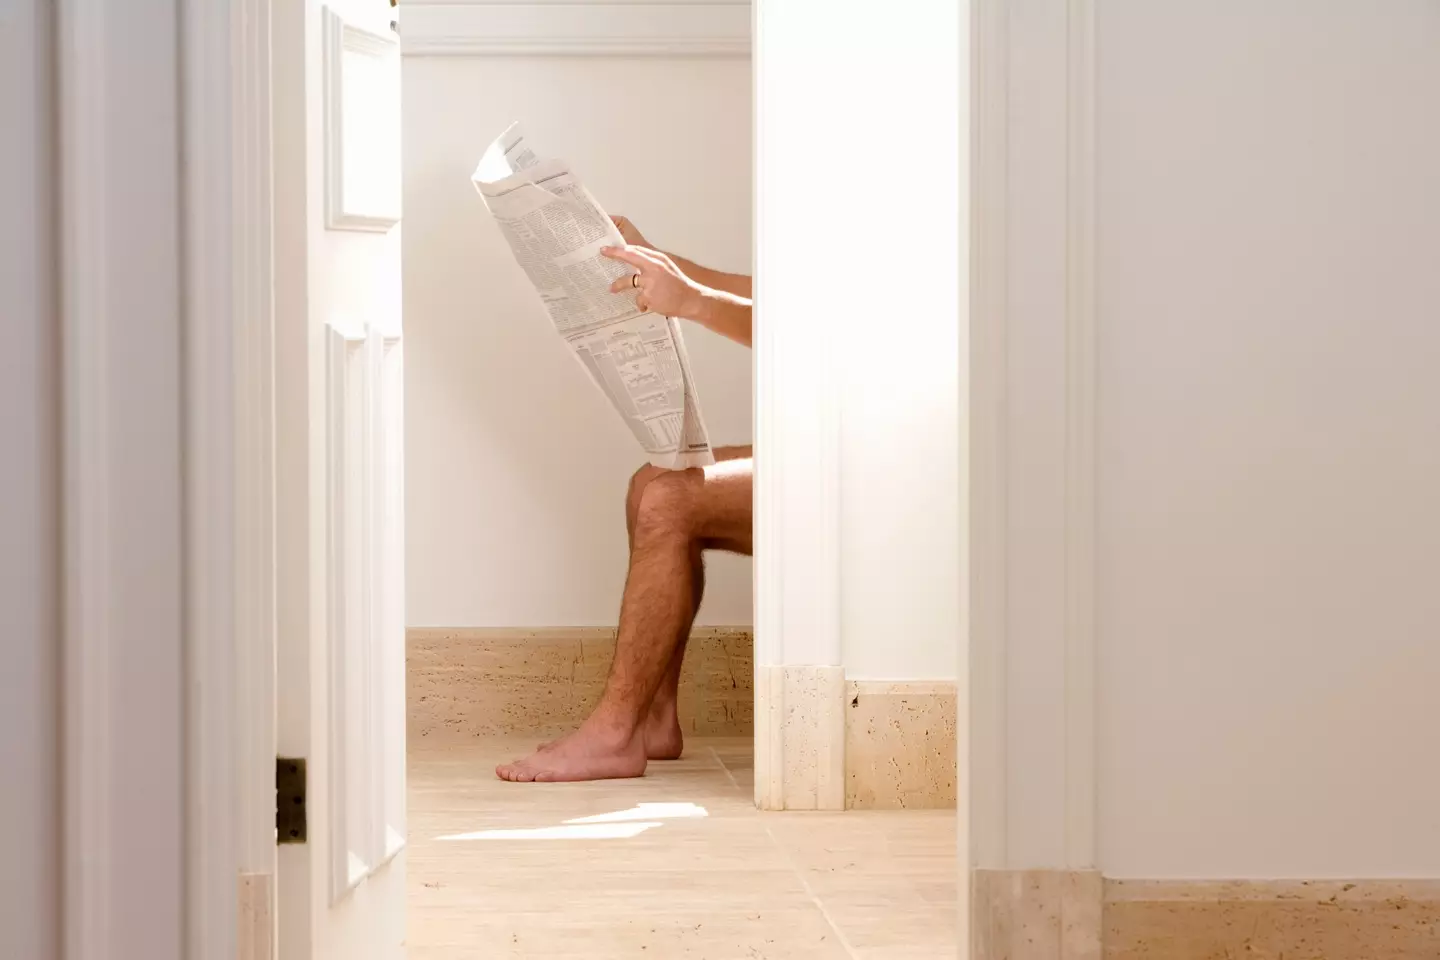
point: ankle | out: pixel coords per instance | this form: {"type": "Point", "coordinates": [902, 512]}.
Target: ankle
{"type": "Point", "coordinates": [615, 726]}
{"type": "Point", "coordinates": [663, 710]}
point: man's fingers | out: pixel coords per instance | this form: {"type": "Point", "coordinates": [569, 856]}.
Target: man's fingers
{"type": "Point", "coordinates": [624, 283]}
{"type": "Point", "coordinates": [630, 255]}
{"type": "Point", "coordinates": [635, 256]}
{"type": "Point", "coordinates": [628, 230]}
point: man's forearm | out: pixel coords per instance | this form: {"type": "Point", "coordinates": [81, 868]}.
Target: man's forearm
{"type": "Point", "coordinates": [727, 314]}
{"type": "Point", "coordinates": [736, 284]}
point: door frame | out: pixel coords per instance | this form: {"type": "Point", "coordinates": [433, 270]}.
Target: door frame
{"type": "Point", "coordinates": [253, 421]}
{"type": "Point", "coordinates": [1044, 68]}
{"type": "Point", "coordinates": [145, 283]}
{"type": "Point", "coordinates": [222, 562]}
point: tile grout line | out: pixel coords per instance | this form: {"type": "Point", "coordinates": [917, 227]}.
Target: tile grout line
{"type": "Point", "coordinates": [728, 775]}
{"type": "Point", "coordinates": [810, 892]}
{"type": "Point", "coordinates": [794, 868]}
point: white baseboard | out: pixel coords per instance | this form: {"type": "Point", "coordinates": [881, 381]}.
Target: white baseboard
{"type": "Point", "coordinates": [799, 738]}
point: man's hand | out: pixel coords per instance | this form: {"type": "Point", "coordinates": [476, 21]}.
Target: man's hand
{"type": "Point", "coordinates": [632, 236]}
{"type": "Point", "coordinates": [659, 285]}
{"type": "Point", "coordinates": [735, 284]}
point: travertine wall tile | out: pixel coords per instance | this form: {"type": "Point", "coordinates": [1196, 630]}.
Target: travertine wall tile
{"type": "Point", "coordinates": [1036, 915]}
{"type": "Point", "coordinates": [1296, 920]}
{"type": "Point", "coordinates": [470, 683]}
{"type": "Point", "coordinates": [801, 765]}
{"type": "Point", "coordinates": [900, 746]}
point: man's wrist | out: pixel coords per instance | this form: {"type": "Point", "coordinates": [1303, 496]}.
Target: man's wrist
{"type": "Point", "coordinates": [702, 308]}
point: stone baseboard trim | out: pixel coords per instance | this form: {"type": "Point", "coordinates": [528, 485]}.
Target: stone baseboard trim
{"type": "Point", "coordinates": [800, 737]}
{"type": "Point", "coordinates": [900, 745]}
{"type": "Point", "coordinates": [1297, 920]}
{"type": "Point", "coordinates": [1037, 915]}
{"type": "Point", "coordinates": [255, 917]}
{"type": "Point", "coordinates": [466, 683]}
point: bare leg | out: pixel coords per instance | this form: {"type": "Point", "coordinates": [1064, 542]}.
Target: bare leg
{"type": "Point", "coordinates": [678, 514]}
{"type": "Point", "coordinates": [664, 740]}
{"type": "Point", "coordinates": [663, 737]}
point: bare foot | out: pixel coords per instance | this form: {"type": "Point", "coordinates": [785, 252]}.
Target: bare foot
{"type": "Point", "coordinates": [590, 753]}
{"type": "Point", "coordinates": [663, 739]}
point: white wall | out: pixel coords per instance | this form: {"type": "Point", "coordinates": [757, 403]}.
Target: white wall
{"type": "Point", "coordinates": [860, 233]}
{"type": "Point", "coordinates": [897, 302]}
{"type": "Point", "coordinates": [1269, 414]}
{"type": "Point", "coordinates": [1266, 442]}
{"type": "Point", "coordinates": [29, 502]}
{"type": "Point", "coordinates": [516, 467]}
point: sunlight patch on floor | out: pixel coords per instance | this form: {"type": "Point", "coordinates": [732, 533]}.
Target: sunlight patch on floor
{"type": "Point", "coordinates": [574, 831]}
{"type": "Point", "coordinates": [648, 811]}
{"type": "Point", "coordinates": [620, 825]}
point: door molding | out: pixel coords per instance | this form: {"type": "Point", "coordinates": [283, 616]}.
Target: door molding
{"type": "Point", "coordinates": [165, 288]}
{"type": "Point", "coordinates": [996, 176]}
{"type": "Point", "coordinates": [627, 28]}
{"type": "Point", "coordinates": [144, 605]}
{"type": "Point", "coordinates": [988, 458]}
{"type": "Point", "coordinates": [1081, 399]}
{"type": "Point", "coordinates": [339, 38]}
{"type": "Point", "coordinates": [253, 418]}
{"type": "Point", "coordinates": [800, 682]}
{"type": "Point", "coordinates": [1066, 114]}
{"type": "Point", "coordinates": [208, 283]}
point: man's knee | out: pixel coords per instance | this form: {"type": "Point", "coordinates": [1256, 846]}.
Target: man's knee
{"type": "Point", "coordinates": [664, 501]}
{"type": "Point", "coordinates": [638, 483]}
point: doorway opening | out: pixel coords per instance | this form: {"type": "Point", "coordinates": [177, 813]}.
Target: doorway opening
{"type": "Point", "coordinates": [515, 544]}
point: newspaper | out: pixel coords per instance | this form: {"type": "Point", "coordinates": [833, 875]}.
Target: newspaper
{"type": "Point", "coordinates": [556, 231]}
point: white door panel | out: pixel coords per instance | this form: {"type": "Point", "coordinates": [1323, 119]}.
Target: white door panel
{"type": "Point", "coordinates": [365, 629]}
{"type": "Point", "coordinates": [339, 387]}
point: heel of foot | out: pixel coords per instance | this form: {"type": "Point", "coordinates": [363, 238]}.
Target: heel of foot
{"type": "Point", "coordinates": [666, 744]}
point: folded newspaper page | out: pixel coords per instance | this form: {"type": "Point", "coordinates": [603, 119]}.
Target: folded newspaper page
{"type": "Point", "coordinates": [556, 231]}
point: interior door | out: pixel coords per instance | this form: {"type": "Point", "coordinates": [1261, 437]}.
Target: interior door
{"type": "Point", "coordinates": [340, 651]}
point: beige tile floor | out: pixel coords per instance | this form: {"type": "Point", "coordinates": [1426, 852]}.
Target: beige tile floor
{"type": "Point", "coordinates": [734, 883]}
